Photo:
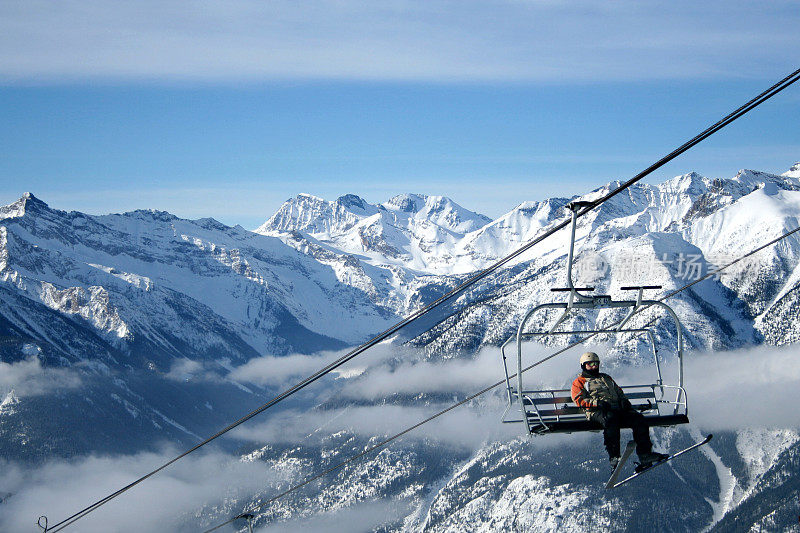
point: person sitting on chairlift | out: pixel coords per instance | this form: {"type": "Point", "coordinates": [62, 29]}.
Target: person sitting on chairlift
{"type": "Point", "coordinates": [603, 401]}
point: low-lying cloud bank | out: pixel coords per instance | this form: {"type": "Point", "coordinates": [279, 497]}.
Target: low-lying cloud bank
{"type": "Point", "coordinates": [280, 371]}
{"type": "Point", "coordinates": [756, 387]}
{"type": "Point", "coordinates": [287, 370]}
{"type": "Point", "coordinates": [169, 501]}
{"type": "Point", "coordinates": [464, 428]}
{"type": "Point", "coordinates": [388, 369]}
{"type": "Point", "coordinates": [752, 387]}
{"type": "Point", "coordinates": [749, 388]}
{"type": "Point", "coordinates": [29, 378]}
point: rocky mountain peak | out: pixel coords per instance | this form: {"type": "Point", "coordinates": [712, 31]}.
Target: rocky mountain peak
{"type": "Point", "coordinates": [440, 210]}
{"type": "Point", "coordinates": [352, 201]}
{"type": "Point", "coordinates": [754, 179]}
{"type": "Point", "coordinates": [794, 171]}
{"type": "Point", "coordinates": [27, 203]}
{"type": "Point", "coordinates": [154, 215]}
{"type": "Point", "coordinates": [691, 184]}
{"type": "Point", "coordinates": [409, 203]}
{"type": "Point", "coordinates": [306, 213]}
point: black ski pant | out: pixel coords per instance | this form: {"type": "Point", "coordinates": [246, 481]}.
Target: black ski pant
{"type": "Point", "coordinates": [612, 421]}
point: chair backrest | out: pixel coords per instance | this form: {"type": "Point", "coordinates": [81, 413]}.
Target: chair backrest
{"type": "Point", "coordinates": [556, 404]}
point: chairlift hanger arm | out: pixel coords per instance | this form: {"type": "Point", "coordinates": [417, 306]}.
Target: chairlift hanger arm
{"type": "Point", "coordinates": [639, 294]}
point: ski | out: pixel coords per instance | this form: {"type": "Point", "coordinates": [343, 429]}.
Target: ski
{"type": "Point", "coordinates": [658, 463]}
{"type": "Point", "coordinates": [622, 460]}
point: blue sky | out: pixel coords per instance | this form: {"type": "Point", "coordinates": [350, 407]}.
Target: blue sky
{"type": "Point", "coordinates": [227, 109]}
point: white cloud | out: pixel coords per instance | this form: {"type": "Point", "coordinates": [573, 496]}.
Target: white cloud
{"type": "Point", "coordinates": [388, 369]}
{"type": "Point", "coordinates": [289, 369]}
{"type": "Point", "coordinates": [277, 371]}
{"type": "Point", "coordinates": [168, 501]}
{"type": "Point", "coordinates": [28, 377]}
{"type": "Point", "coordinates": [191, 370]}
{"type": "Point", "coordinates": [184, 369]}
{"type": "Point", "coordinates": [751, 387]}
{"type": "Point", "coordinates": [404, 371]}
{"type": "Point", "coordinates": [442, 40]}
{"type": "Point", "coordinates": [464, 427]}
{"type": "Point", "coordinates": [756, 387]}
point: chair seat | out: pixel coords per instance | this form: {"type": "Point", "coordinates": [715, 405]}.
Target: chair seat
{"type": "Point", "coordinates": [573, 426]}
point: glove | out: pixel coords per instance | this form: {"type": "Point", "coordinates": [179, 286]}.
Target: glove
{"type": "Point", "coordinates": [603, 405]}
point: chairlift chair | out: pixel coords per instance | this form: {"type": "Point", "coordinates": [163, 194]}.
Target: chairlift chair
{"type": "Point", "coordinates": [553, 411]}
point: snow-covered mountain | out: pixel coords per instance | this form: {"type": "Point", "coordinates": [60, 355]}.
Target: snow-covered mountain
{"type": "Point", "coordinates": [135, 321]}
{"type": "Point", "coordinates": [250, 284]}
{"type": "Point", "coordinates": [422, 233]}
{"type": "Point", "coordinates": [125, 300]}
{"type": "Point", "coordinates": [665, 234]}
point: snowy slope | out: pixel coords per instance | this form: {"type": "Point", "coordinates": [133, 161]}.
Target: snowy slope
{"type": "Point", "coordinates": [144, 314]}
{"type": "Point", "coordinates": [667, 235]}
{"type": "Point", "coordinates": [417, 232]}
{"type": "Point", "coordinates": [122, 300]}
{"type": "Point", "coordinates": [673, 231]}
{"type": "Point", "coordinates": [128, 274]}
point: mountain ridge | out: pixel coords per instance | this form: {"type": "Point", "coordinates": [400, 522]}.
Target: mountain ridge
{"type": "Point", "coordinates": [149, 313]}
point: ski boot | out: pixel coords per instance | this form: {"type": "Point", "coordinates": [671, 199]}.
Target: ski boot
{"type": "Point", "coordinates": [648, 460]}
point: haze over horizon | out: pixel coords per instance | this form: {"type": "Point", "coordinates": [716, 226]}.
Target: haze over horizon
{"type": "Point", "coordinates": [225, 112]}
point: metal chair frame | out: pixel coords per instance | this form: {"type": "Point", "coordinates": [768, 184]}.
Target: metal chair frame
{"type": "Point", "coordinates": [535, 421]}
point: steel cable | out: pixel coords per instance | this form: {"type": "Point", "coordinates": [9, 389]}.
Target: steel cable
{"type": "Point", "coordinates": [753, 103]}
{"type": "Point", "coordinates": [495, 385]}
